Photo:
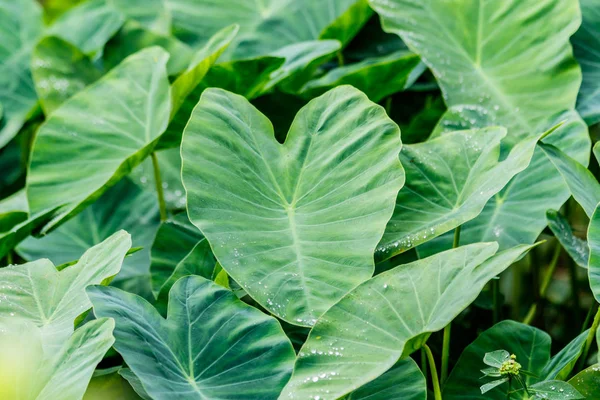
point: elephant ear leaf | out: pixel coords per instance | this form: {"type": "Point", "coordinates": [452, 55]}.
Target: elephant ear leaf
{"type": "Point", "coordinates": [98, 136]}
{"type": "Point", "coordinates": [38, 311]}
{"type": "Point", "coordinates": [294, 224]}
{"type": "Point", "coordinates": [390, 316]}
{"type": "Point", "coordinates": [210, 346]}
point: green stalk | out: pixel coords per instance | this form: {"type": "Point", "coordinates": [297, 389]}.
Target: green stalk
{"type": "Point", "coordinates": [574, 290]}
{"type": "Point", "coordinates": [9, 258]}
{"type": "Point", "coordinates": [424, 364]}
{"type": "Point", "coordinates": [588, 318]}
{"type": "Point", "coordinates": [159, 189]}
{"type": "Point", "coordinates": [448, 328]}
{"type": "Point", "coordinates": [547, 279]}
{"type": "Point", "coordinates": [590, 339]}
{"type": "Point", "coordinates": [437, 393]}
{"type": "Point", "coordinates": [340, 58]}
{"type": "Point", "coordinates": [496, 300]}
{"type": "Point", "coordinates": [388, 105]}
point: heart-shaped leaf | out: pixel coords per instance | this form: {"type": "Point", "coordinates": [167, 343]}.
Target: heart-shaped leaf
{"type": "Point", "coordinates": [484, 60]}
{"type": "Point", "coordinates": [391, 315]}
{"type": "Point", "coordinates": [586, 41]}
{"type": "Point", "coordinates": [59, 71]}
{"type": "Point", "coordinates": [98, 136]}
{"type": "Point", "coordinates": [210, 346]}
{"type": "Point", "coordinates": [449, 180]}
{"type": "Point", "coordinates": [20, 27]}
{"type": "Point", "coordinates": [294, 224]}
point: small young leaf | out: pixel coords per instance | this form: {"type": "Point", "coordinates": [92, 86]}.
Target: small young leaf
{"type": "Point", "coordinates": [490, 385]}
{"type": "Point", "coordinates": [496, 358]}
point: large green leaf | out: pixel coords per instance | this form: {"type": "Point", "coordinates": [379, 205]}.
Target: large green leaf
{"type": "Point", "coordinates": [109, 384]}
{"type": "Point", "coordinates": [13, 210]}
{"type": "Point", "coordinates": [89, 25]}
{"type": "Point", "coordinates": [492, 71]}
{"type": "Point", "coordinates": [211, 346]}
{"type": "Point", "coordinates": [59, 71]}
{"type": "Point", "coordinates": [586, 45]}
{"type": "Point", "coordinates": [587, 382]}
{"type": "Point", "coordinates": [577, 248]}
{"type": "Point", "coordinates": [593, 236]}
{"type": "Point", "coordinates": [36, 292]}
{"type": "Point", "coordinates": [294, 224]}
{"type": "Point", "coordinates": [28, 372]}
{"type": "Point", "coordinates": [376, 77]}
{"type": "Point", "coordinates": [448, 182]}
{"type": "Point", "coordinates": [265, 26]}
{"type": "Point", "coordinates": [98, 136]}
{"type": "Point", "coordinates": [124, 206]}
{"type": "Point", "coordinates": [391, 315]}
{"type": "Point", "coordinates": [20, 26]}
{"type": "Point", "coordinates": [404, 381]}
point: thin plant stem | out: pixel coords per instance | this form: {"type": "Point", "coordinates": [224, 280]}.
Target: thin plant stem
{"type": "Point", "coordinates": [509, 385]}
{"type": "Point", "coordinates": [388, 105]}
{"type": "Point", "coordinates": [448, 328]}
{"type": "Point", "coordinates": [340, 58]}
{"type": "Point", "coordinates": [437, 393]}
{"type": "Point", "coordinates": [159, 188]}
{"type": "Point", "coordinates": [545, 284]}
{"type": "Point", "coordinates": [424, 364]}
{"type": "Point", "coordinates": [588, 318]}
{"type": "Point", "coordinates": [9, 258]}
{"type": "Point", "coordinates": [574, 290]}
{"type": "Point", "coordinates": [590, 339]}
{"type": "Point", "coordinates": [496, 300]}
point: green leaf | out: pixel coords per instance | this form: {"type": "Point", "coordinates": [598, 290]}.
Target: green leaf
{"type": "Point", "coordinates": [404, 381]}
{"type": "Point", "coordinates": [29, 372]}
{"type": "Point", "coordinates": [36, 292]}
{"type": "Point", "coordinates": [89, 25]}
{"type": "Point", "coordinates": [377, 77]}
{"type": "Point", "coordinates": [20, 27]}
{"type": "Point", "coordinates": [135, 383]}
{"type": "Point", "coordinates": [530, 345]}
{"type": "Point", "coordinates": [13, 210]}
{"type": "Point", "coordinates": [59, 71]}
{"type": "Point", "coordinates": [581, 182]}
{"type": "Point", "coordinates": [576, 248]}
{"type": "Point", "coordinates": [587, 382]}
{"type": "Point", "coordinates": [586, 41]}
{"type": "Point", "coordinates": [294, 224]}
{"type": "Point", "coordinates": [593, 236]}
{"type": "Point", "coordinates": [151, 14]}
{"type": "Point", "coordinates": [210, 346]}
{"type": "Point", "coordinates": [496, 358]}
{"type": "Point", "coordinates": [562, 364]}
{"type": "Point", "coordinates": [449, 180]}
{"type": "Point", "coordinates": [484, 60]}
{"type": "Point", "coordinates": [174, 240]}
{"type": "Point", "coordinates": [98, 136]}
{"type": "Point", "coordinates": [491, 385]}
{"type": "Point", "coordinates": [109, 385]}
{"type": "Point", "coordinates": [124, 206]}
{"type": "Point", "coordinates": [392, 315]}
{"type": "Point", "coordinates": [554, 390]}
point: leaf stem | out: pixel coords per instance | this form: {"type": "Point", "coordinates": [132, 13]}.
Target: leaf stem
{"type": "Point", "coordinates": [424, 364]}
{"type": "Point", "coordinates": [159, 188]}
{"type": "Point", "coordinates": [496, 299]}
{"type": "Point", "coordinates": [434, 375]}
{"type": "Point", "coordinates": [588, 318]}
{"type": "Point", "coordinates": [448, 328]}
{"type": "Point", "coordinates": [545, 284]}
{"type": "Point", "coordinates": [340, 58]}
{"type": "Point", "coordinates": [590, 339]}
{"type": "Point", "coordinates": [456, 241]}
{"type": "Point", "coordinates": [388, 105]}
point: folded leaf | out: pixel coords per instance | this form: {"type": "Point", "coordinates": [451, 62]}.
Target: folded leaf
{"type": "Point", "coordinates": [294, 224]}
{"type": "Point", "coordinates": [392, 315]}
{"type": "Point", "coordinates": [577, 248]}
{"type": "Point", "coordinates": [593, 236]}
{"type": "Point", "coordinates": [210, 346]}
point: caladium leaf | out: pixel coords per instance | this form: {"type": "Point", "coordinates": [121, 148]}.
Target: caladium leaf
{"type": "Point", "coordinates": [89, 25]}
{"type": "Point", "coordinates": [587, 382]}
{"type": "Point", "coordinates": [124, 206]}
{"type": "Point", "coordinates": [298, 224]}
{"type": "Point", "coordinates": [576, 248]}
{"type": "Point", "coordinates": [474, 49]}
{"type": "Point", "coordinates": [20, 27]}
{"type": "Point", "coordinates": [377, 77]}
{"type": "Point", "coordinates": [449, 180]}
{"type": "Point", "coordinates": [36, 292]}
{"type": "Point", "coordinates": [581, 182]}
{"type": "Point", "coordinates": [174, 240]}
{"type": "Point", "coordinates": [135, 383]}
{"type": "Point", "coordinates": [391, 315]}
{"type": "Point", "coordinates": [554, 390]}
{"type": "Point", "coordinates": [59, 71]}
{"type": "Point", "coordinates": [586, 41]}
{"type": "Point", "coordinates": [404, 381]}
{"type": "Point", "coordinates": [210, 346]}
{"type": "Point", "coordinates": [98, 136]}
{"type": "Point", "coordinates": [29, 372]}
{"type": "Point", "coordinates": [593, 236]}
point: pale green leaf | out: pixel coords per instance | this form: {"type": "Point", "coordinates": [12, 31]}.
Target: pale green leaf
{"type": "Point", "coordinates": [577, 248]}
{"type": "Point", "coordinates": [294, 224]}
{"type": "Point", "coordinates": [561, 365]}
{"type": "Point", "coordinates": [210, 346]}
{"type": "Point", "coordinates": [496, 358]}
{"type": "Point", "coordinates": [593, 236]}
{"type": "Point", "coordinates": [491, 385]}
{"type": "Point", "coordinates": [554, 390]}
{"type": "Point", "coordinates": [109, 384]}
{"type": "Point", "coordinates": [392, 315]}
